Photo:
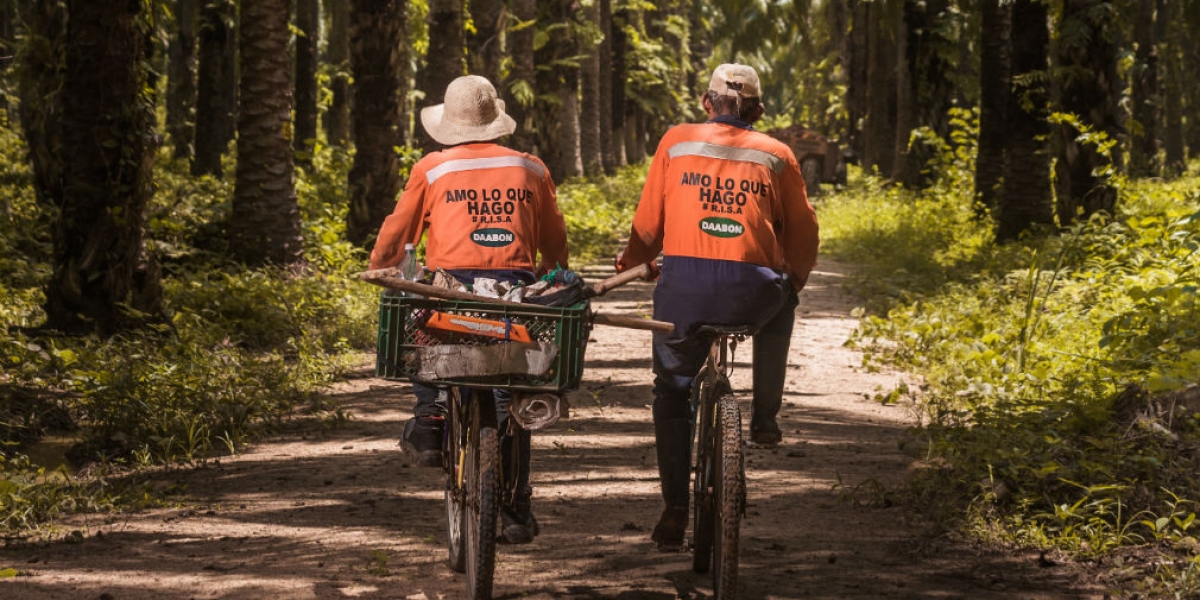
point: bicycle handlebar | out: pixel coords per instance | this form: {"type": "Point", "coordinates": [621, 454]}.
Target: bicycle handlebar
{"type": "Point", "coordinates": [602, 287]}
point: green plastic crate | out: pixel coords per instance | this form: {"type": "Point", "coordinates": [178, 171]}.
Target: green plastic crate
{"type": "Point", "coordinates": [401, 333]}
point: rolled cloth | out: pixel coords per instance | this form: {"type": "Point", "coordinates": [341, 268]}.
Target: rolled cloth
{"type": "Point", "coordinates": [538, 411]}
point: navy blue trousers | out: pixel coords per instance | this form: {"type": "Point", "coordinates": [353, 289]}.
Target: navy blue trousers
{"type": "Point", "coordinates": [692, 292]}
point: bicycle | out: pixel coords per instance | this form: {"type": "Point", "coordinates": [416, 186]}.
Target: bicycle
{"type": "Point", "coordinates": [719, 481]}
{"type": "Point", "coordinates": [477, 482]}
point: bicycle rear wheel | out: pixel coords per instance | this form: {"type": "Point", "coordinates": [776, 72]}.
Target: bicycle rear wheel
{"type": "Point", "coordinates": [481, 480]}
{"type": "Point", "coordinates": [456, 495]}
{"type": "Point", "coordinates": [729, 495]}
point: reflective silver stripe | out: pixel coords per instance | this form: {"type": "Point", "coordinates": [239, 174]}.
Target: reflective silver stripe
{"type": "Point", "coordinates": [711, 150]}
{"type": "Point", "coordinates": [472, 164]}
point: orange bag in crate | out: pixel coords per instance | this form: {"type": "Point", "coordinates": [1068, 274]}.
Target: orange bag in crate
{"type": "Point", "coordinates": [504, 330]}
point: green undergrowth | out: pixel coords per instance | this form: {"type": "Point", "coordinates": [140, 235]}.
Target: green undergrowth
{"type": "Point", "coordinates": [598, 212]}
{"type": "Point", "coordinates": [245, 352]}
{"type": "Point", "coordinates": [1055, 405]}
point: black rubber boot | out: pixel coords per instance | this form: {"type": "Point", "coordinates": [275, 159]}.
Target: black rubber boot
{"type": "Point", "coordinates": [517, 523]}
{"type": "Point", "coordinates": [668, 533]}
{"type": "Point", "coordinates": [673, 443]}
{"type": "Point", "coordinates": [422, 439]}
{"type": "Point", "coordinates": [770, 371]}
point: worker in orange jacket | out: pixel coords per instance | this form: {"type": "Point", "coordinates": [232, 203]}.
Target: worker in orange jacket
{"type": "Point", "coordinates": [489, 211]}
{"type": "Point", "coordinates": [739, 243]}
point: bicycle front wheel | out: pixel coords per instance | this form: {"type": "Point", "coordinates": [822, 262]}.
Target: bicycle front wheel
{"type": "Point", "coordinates": [481, 479]}
{"type": "Point", "coordinates": [703, 483]}
{"type": "Point", "coordinates": [453, 455]}
{"type": "Point", "coordinates": [729, 495]}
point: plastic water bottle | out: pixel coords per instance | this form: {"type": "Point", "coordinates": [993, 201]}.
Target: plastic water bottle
{"type": "Point", "coordinates": [410, 268]}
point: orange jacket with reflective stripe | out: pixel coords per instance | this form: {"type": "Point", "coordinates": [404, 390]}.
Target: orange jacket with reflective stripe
{"type": "Point", "coordinates": [485, 206]}
{"type": "Point", "coordinates": [721, 192]}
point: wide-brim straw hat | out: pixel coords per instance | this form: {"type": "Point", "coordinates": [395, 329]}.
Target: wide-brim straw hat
{"type": "Point", "coordinates": [471, 113]}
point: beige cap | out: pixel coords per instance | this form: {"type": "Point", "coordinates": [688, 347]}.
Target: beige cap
{"type": "Point", "coordinates": [471, 113]}
{"type": "Point", "coordinates": [735, 80]}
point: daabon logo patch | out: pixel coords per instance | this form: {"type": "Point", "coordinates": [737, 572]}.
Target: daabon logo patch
{"type": "Point", "coordinates": [492, 237]}
{"type": "Point", "coordinates": [722, 227]}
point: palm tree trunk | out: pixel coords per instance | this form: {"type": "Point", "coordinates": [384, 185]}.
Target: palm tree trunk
{"type": "Point", "coordinates": [40, 110]}
{"type": "Point", "coordinates": [605, 90]}
{"type": "Point", "coordinates": [1170, 54]}
{"type": "Point", "coordinates": [102, 281]}
{"type": "Point", "coordinates": [308, 31]}
{"type": "Point", "coordinates": [590, 147]}
{"type": "Point", "coordinates": [485, 47]}
{"type": "Point", "coordinates": [995, 79]}
{"type": "Point", "coordinates": [375, 56]}
{"type": "Point", "coordinates": [265, 220]}
{"type": "Point", "coordinates": [216, 96]}
{"type": "Point", "coordinates": [906, 109]}
{"type": "Point", "coordinates": [557, 91]}
{"type": "Point", "coordinates": [879, 130]}
{"type": "Point", "coordinates": [181, 80]}
{"type": "Point", "coordinates": [518, 88]}
{"type": "Point", "coordinates": [444, 62]}
{"type": "Point", "coordinates": [1024, 200]}
{"type": "Point", "coordinates": [8, 48]}
{"type": "Point", "coordinates": [1091, 96]}
{"type": "Point", "coordinates": [1143, 151]}
{"type": "Point", "coordinates": [619, 72]}
{"type": "Point", "coordinates": [337, 48]}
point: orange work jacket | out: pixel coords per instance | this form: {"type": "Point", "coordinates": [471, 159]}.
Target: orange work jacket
{"type": "Point", "coordinates": [719, 191]}
{"type": "Point", "coordinates": [485, 207]}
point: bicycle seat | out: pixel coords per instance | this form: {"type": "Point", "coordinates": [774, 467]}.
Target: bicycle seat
{"type": "Point", "coordinates": [710, 330]}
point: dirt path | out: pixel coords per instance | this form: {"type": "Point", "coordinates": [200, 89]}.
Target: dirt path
{"type": "Point", "coordinates": [340, 513]}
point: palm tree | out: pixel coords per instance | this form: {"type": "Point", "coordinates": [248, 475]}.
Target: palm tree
{"type": "Point", "coordinates": [1144, 96]}
{"type": "Point", "coordinates": [1086, 62]}
{"type": "Point", "coordinates": [265, 222]}
{"type": "Point", "coordinates": [1171, 55]}
{"type": "Point", "coordinates": [604, 90]}
{"type": "Point", "coordinates": [181, 81]}
{"type": "Point", "coordinates": [337, 117]}
{"type": "Point", "coordinates": [40, 109]}
{"type": "Point", "coordinates": [102, 280]}
{"type": "Point", "coordinates": [216, 86]}
{"type": "Point", "coordinates": [517, 89]}
{"type": "Point", "coordinates": [485, 45]}
{"type": "Point", "coordinates": [879, 131]}
{"type": "Point", "coordinates": [995, 81]}
{"type": "Point", "coordinates": [308, 31]}
{"type": "Point", "coordinates": [590, 147]}
{"type": "Point", "coordinates": [445, 59]}
{"type": "Point", "coordinates": [375, 57]}
{"type": "Point", "coordinates": [1024, 200]}
{"type": "Point", "coordinates": [556, 88]}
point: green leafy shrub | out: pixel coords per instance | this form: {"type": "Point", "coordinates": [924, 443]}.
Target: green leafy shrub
{"type": "Point", "coordinates": [598, 213]}
{"type": "Point", "coordinates": [1040, 361]}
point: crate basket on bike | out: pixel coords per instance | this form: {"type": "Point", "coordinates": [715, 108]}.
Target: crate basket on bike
{"type": "Point", "coordinates": [525, 347]}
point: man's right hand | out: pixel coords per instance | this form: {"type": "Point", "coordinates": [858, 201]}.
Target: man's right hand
{"type": "Point", "coordinates": [655, 270]}
{"type": "Point", "coordinates": [652, 267]}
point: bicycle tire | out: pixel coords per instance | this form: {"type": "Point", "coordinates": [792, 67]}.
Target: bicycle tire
{"type": "Point", "coordinates": [728, 498]}
{"type": "Point", "coordinates": [456, 513]}
{"type": "Point", "coordinates": [702, 483]}
{"type": "Point", "coordinates": [481, 477]}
